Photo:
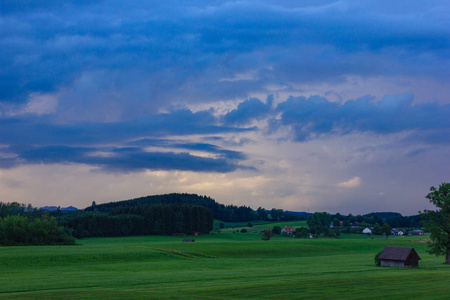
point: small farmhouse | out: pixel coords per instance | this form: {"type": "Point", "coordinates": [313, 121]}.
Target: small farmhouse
{"type": "Point", "coordinates": [287, 230]}
{"type": "Point", "coordinates": [367, 230]}
{"type": "Point", "coordinates": [397, 232]}
{"type": "Point", "coordinates": [399, 257]}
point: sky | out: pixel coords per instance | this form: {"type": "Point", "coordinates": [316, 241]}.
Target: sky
{"type": "Point", "coordinates": [337, 106]}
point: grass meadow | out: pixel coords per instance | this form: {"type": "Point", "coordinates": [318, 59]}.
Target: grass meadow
{"type": "Point", "coordinates": [223, 265]}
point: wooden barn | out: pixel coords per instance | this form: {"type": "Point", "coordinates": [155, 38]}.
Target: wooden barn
{"type": "Point", "coordinates": [399, 257]}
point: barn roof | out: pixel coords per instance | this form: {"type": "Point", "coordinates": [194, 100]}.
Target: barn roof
{"type": "Point", "coordinates": [397, 253]}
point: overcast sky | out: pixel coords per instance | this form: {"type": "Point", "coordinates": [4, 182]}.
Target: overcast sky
{"type": "Point", "coordinates": [338, 106]}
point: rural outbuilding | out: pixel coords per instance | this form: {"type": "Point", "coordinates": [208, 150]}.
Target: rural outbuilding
{"type": "Point", "coordinates": [399, 257]}
{"type": "Point", "coordinates": [367, 230]}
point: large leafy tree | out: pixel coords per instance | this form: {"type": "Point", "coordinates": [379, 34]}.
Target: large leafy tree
{"type": "Point", "coordinates": [438, 221]}
{"type": "Point", "coordinates": [319, 223]}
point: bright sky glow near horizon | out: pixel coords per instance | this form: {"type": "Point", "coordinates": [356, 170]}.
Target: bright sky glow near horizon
{"type": "Point", "coordinates": [337, 106]}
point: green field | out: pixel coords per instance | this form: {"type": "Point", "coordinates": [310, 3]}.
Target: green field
{"type": "Point", "coordinates": [223, 265]}
{"type": "Point", "coordinates": [257, 226]}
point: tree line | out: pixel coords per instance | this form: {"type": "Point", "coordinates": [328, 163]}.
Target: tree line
{"type": "Point", "coordinates": [146, 219]}
{"type": "Point", "coordinates": [225, 213]}
{"type": "Point", "coordinates": [165, 215]}
{"type": "Point", "coordinates": [370, 220]}
{"type": "Point", "coordinates": [328, 225]}
{"type": "Point", "coordinates": [26, 225]}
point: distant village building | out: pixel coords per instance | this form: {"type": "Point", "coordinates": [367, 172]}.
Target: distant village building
{"type": "Point", "coordinates": [415, 232]}
{"type": "Point", "coordinates": [397, 232]}
{"type": "Point", "coordinates": [179, 234]}
{"type": "Point", "coordinates": [287, 230]}
{"type": "Point", "coordinates": [355, 224]}
{"type": "Point", "coordinates": [367, 230]}
{"type": "Point", "coordinates": [399, 257]}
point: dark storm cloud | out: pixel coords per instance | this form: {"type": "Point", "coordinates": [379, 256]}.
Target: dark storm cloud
{"type": "Point", "coordinates": [126, 159]}
{"type": "Point", "coordinates": [201, 147]}
{"type": "Point", "coordinates": [42, 131]}
{"type": "Point", "coordinates": [228, 154]}
{"type": "Point", "coordinates": [38, 141]}
{"type": "Point", "coordinates": [113, 66]}
{"type": "Point", "coordinates": [316, 116]}
{"type": "Point", "coordinates": [171, 50]}
{"type": "Point", "coordinates": [249, 110]}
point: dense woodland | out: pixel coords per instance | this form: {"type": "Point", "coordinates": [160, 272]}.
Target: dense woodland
{"type": "Point", "coordinates": [142, 219]}
{"type": "Point", "coordinates": [226, 213]}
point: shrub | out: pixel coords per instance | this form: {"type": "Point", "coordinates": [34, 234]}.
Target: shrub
{"type": "Point", "coordinates": [301, 232]}
{"type": "Point", "coordinates": [377, 260]}
{"type": "Point", "coordinates": [267, 234]}
{"type": "Point", "coordinates": [20, 230]}
{"type": "Point", "coordinates": [276, 230]}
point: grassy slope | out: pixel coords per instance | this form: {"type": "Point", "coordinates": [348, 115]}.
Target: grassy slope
{"type": "Point", "coordinates": [218, 266]}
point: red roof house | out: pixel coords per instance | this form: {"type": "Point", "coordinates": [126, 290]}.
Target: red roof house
{"type": "Point", "coordinates": [287, 230]}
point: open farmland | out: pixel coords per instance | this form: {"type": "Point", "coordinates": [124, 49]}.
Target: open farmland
{"type": "Point", "coordinates": [224, 265]}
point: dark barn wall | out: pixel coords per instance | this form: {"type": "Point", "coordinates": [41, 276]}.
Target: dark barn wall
{"type": "Point", "coordinates": [412, 261]}
{"type": "Point", "coordinates": [392, 263]}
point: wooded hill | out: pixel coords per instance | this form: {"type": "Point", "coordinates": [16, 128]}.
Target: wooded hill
{"type": "Point", "coordinates": [160, 215]}
{"type": "Point", "coordinates": [140, 219]}
{"type": "Point", "coordinates": [227, 213]}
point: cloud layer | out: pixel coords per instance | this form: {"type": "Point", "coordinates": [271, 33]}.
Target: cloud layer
{"type": "Point", "coordinates": [279, 102]}
{"type": "Point", "coordinates": [117, 52]}
{"type": "Point", "coordinates": [130, 145]}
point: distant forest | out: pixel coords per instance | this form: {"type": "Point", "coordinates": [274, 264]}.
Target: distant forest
{"type": "Point", "coordinates": [161, 215]}
{"type": "Point", "coordinates": [156, 215]}
{"type": "Point", "coordinates": [395, 220]}
{"type": "Point", "coordinates": [139, 219]}
{"type": "Point", "coordinates": [225, 213]}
